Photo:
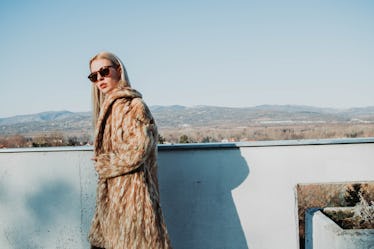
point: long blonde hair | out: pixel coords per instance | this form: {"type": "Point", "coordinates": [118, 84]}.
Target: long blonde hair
{"type": "Point", "coordinates": [97, 95]}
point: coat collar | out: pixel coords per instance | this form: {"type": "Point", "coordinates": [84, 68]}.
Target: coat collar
{"type": "Point", "coordinates": [127, 93]}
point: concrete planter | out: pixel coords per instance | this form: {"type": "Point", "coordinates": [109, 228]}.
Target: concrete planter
{"type": "Point", "coordinates": [326, 234]}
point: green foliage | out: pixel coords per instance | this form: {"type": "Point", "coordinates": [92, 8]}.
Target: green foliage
{"type": "Point", "coordinates": [184, 139]}
{"type": "Point", "coordinates": [352, 194]}
{"type": "Point", "coordinates": [73, 141]}
{"type": "Point", "coordinates": [208, 139]}
{"type": "Point", "coordinates": [365, 211]}
{"type": "Point", "coordinates": [44, 140]}
{"type": "Point", "coordinates": [361, 216]}
{"type": "Point", "coordinates": [161, 139]}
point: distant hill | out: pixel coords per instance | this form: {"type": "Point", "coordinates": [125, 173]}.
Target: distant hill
{"type": "Point", "coordinates": [198, 116]}
{"type": "Point", "coordinates": [43, 117]}
{"type": "Point", "coordinates": [45, 122]}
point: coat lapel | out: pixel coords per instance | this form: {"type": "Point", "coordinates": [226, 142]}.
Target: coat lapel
{"type": "Point", "coordinates": [105, 110]}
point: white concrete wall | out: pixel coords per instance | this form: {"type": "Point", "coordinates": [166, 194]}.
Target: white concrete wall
{"type": "Point", "coordinates": [46, 199]}
{"type": "Point", "coordinates": [327, 234]}
{"type": "Point", "coordinates": [223, 196]}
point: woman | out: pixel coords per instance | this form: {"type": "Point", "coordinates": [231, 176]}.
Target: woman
{"type": "Point", "coordinates": [128, 213]}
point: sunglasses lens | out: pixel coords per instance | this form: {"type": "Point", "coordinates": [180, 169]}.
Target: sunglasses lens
{"type": "Point", "coordinates": [93, 77]}
{"type": "Point", "coordinates": [104, 72]}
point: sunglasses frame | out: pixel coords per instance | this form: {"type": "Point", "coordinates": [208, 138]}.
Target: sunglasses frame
{"type": "Point", "coordinates": [103, 71]}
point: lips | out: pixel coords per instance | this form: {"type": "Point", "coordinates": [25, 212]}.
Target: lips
{"type": "Point", "coordinates": [102, 85]}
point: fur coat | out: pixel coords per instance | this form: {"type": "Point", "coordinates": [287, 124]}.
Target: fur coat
{"type": "Point", "coordinates": [128, 213]}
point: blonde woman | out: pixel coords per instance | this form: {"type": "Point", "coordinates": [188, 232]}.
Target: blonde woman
{"type": "Point", "coordinates": [128, 213]}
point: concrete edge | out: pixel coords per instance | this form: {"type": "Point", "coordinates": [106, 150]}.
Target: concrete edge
{"type": "Point", "coordinates": [205, 146]}
{"type": "Point", "coordinates": [339, 230]}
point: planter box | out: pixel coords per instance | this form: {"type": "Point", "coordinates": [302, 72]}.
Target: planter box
{"type": "Point", "coordinates": [326, 234]}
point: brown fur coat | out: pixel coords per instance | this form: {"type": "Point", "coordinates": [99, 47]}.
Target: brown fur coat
{"type": "Point", "coordinates": [128, 214]}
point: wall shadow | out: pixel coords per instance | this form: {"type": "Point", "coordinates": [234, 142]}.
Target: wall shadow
{"type": "Point", "coordinates": [54, 199]}
{"type": "Point", "coordinates": [50, 210]}
{"type": "Point", "coordinates": [309, 213]}
{"type": "Point", "coordinates": [196, 197]}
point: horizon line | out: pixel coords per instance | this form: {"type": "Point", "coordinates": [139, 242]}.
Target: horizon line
{"type": "Point", "coordinates": [194, 106]}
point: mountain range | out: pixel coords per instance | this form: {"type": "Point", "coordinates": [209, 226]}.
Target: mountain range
{"type": "Point", "coordinates": [176, 116]}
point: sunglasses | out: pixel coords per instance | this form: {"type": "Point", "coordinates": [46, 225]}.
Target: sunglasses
{"type": "Point", "coordinates": [104, 71]}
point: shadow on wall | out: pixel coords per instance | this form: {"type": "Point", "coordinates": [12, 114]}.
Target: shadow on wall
{"type": "Point", "coordinates": [196, 197]}
{"type": "Point", "coordinates": [45, 219]}
{"type": "Point", "coordinates": [46, 199]}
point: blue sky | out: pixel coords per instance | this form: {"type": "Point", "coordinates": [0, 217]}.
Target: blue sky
{"type": "Point", "coordinates": [224, 53]}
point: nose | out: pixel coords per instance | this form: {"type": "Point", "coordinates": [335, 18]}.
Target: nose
{"type": "Point", "coordinates": [99, 77]}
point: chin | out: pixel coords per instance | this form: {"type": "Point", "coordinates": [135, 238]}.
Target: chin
{"type": "Point", "coordinates": [107, 91]}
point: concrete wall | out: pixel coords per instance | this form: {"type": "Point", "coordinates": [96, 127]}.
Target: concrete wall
{"type": "Point", "coordinates": [327, 234]}
{"type": "Point", "coordinates": [213, 196]}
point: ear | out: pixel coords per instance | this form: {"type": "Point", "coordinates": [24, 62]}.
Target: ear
{"type": "Point", "coordinates": [119, 69]}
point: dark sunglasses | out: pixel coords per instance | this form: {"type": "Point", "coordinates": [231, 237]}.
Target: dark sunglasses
{"type": "Point", "coordinates": [104, 71]}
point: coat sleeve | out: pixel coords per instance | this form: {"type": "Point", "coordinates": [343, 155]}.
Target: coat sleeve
{"type": "Point", "coordinates": [133, 139]}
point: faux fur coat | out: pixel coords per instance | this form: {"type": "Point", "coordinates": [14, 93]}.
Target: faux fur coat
{"type": "Point", "coordinates": [128, 213]}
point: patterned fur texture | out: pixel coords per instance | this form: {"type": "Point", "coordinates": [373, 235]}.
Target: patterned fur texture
{"type": "Point", "coordinates": [128, 213]}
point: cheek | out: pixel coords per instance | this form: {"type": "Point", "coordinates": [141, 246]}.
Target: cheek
{"type": "Point", "coordinates": [114, 82]}
{"type": "Point", "coordinates": [117, 76]}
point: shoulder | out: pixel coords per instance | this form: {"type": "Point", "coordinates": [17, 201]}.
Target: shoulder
{"type": "Point", "coordinates": [121, 98]}
{"type": "Point", "coordinates": [140, 110]}
{"type": "Point", "coordinates": [134, 108]}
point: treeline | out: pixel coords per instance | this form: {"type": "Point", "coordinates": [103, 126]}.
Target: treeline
{"type": "Point", "coordinates": [207, 135]}
{"type": "Point", "coordinates": [266, 133]}
{"type": "Point", "coordinates": [44, 140]}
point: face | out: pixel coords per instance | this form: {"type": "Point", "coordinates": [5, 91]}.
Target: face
{"type": "Point", "coordinates": [105, 83]}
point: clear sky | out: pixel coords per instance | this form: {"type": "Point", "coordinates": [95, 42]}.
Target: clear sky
{"type": "Point", "coordinates": [225, 53]}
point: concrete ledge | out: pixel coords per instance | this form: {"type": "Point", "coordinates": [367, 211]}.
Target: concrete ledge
{"type": "Point", "coordinates": [327, 234]}
{"type": "Point", "coordinates": [205, 146]}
